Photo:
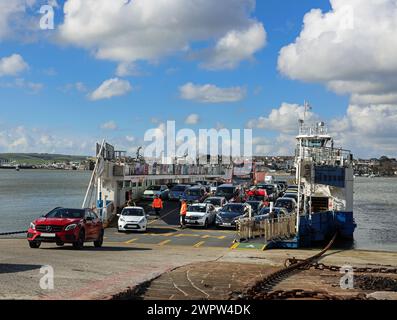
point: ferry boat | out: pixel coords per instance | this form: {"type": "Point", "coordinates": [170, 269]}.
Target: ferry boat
{"type": "Point", "coordinates": [324, 175]}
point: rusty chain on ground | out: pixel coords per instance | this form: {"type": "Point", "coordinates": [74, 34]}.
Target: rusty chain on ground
{"type": "Point", "coordinates": [334, 268]}
{"type": "Point", "coordinates": [262, 289]}
{"type": "Point", "coordinates": [306, 294]}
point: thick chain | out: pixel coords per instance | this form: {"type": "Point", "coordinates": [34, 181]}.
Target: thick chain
{"type": "Point", "coordinates": [305, 294]}
{"type": "Point", "coordinates": [334, 268]}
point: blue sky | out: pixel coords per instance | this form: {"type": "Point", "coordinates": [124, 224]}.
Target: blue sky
{"type": "Point", "coordinates": [57, 109]}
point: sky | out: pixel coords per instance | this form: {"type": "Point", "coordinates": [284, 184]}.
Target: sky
{"type": "Point", "coordinates": [115, 69]}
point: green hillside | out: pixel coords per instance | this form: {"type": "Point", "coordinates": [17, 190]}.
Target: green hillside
{"type": "Point", "coordinates": [39, 158]}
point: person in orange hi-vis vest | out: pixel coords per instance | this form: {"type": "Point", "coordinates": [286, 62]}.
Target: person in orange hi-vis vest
{"type": "Point", "coordinates": [183, 213]}
{"type": "Point", "coordinates": [157, 205]}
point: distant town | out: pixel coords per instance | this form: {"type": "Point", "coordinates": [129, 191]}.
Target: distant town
{"type": "Point", "coordinates": [384, 166]}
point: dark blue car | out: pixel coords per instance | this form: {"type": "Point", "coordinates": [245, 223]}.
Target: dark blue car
{"type": "Point", "coordinates": [176, 193]}
{"type": "Point", "coordinates": [196, 194]}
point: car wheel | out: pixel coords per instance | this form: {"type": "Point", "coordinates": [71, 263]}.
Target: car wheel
{"type": "Point", "coordinates": [34, 244]}
{"type": "Point", "coordinates": [60, 244]}
{"type": "Point", "coordinates": [79, 244]}
{"type": "Point", "coordinates": [99, 242]}
{"type": "Point", "coordinates": [206, 224]}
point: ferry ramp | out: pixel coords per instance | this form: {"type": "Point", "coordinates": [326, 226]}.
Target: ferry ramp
{"type": "Point", "coordinates": [165, 231]}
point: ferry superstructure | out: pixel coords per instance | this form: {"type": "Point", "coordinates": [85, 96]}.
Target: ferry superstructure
{"type": "Point", "coordinates": [325, 196]}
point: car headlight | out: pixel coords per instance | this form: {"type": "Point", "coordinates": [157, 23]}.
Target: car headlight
{"type": "Point", "coordinates": [218, 218]}
{"type": "Point", "coordinates": [142, 220]}
{"type": "Point", "coordinates": [122, 219]}
{"type": "Point", "coordinates": [71, 227]}
{"type": "Point", "coordinates": [32, 226]}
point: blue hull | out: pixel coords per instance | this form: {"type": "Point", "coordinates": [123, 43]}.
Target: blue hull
{"type": "Point", "coordinates": [319, 229]}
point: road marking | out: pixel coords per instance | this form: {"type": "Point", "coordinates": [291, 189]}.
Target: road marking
{"type": "Point", "coordinates": [213, 237]}
{"type": "Point", "coordinates": [199, 244]}
{"type": "Point", "coordinates": [172, 211]}
{"type": "Point", "coordinates": [188, 235]}
{"type": "Point", "coordinates": [160, 234]}
{"type": "Point", "coordinates": [234, 246]}
{"type": "Point", "coordinates": [163, 243]}
{"type": "Point", "coordinates": [131, 241]}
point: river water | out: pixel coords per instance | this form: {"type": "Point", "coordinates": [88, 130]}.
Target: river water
{"type": "Point", "coordinates": [28, 194]}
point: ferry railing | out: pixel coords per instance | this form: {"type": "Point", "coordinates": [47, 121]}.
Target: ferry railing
{"type": "Point", "coordinates": [325, 155]}
{"type": "Point", "coordinates": [106, 213]}
{"type": "Point", "coordinates": [267, 229]}
{"type": "Point", "coordinates": [161, 169]}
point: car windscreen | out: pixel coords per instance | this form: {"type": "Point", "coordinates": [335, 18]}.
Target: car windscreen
{"type": "Point", "coordinates": [266, 211]}
{"type": "Point", "coordinates": [178, 188]}
{"type": "Point", "coordinates": [233, 208]}
{"type": "Point", "coordinates": [133, 213]}
{"type": "Point", "coordinates": [215, 202]}
{"type": "Point", "coordinates": [66, 213]}
{"type": "Point", "coordinates": [154, 188]}
{"type": "Point", "coordinates": [225, 191]}
{"type": "Point", "coordinates": [284, 203]}
{"type": "Point", "coordinates": [193, 192]}
{"type": "Point", "coordinates": [269, 189]}
{"type": "Point", "coordinates": [196, 209]}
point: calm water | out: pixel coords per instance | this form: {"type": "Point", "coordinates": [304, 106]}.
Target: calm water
{"type": "Point", "coordinates": [27, 194]}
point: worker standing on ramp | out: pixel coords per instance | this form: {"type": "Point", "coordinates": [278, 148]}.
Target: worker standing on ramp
{"type": "Point", "coordinates": [157, 205]}
{"type": "Point", "coordinates": [183, 213]}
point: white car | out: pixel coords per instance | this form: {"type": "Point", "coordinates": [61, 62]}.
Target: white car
{"type": "Point", "coordinates": [217, 202]}
{"type": "Point", "coordinates": [132, 219]}
{"type": "Point", "coordinates": [201, 214]}
{"type": "Point", "coordinates": [153, 191]}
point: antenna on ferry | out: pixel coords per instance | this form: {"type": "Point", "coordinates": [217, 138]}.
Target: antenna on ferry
{"type": "Point", "coordinates": [307, 109]}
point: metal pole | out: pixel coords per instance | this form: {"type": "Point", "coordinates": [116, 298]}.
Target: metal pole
{"type": "Point", "coordinates": [93, 174]}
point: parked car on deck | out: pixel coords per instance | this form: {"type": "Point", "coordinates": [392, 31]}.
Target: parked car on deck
{"type": "Point", "coordinates": [256, 206]}
{"type": "Point", "coordinates": [201, 214]}
{"type": "Point", "coordinates": [217, 202]}
{"type": "Point", "coordinates": [64, 225]}
{"type": "Point", "coordinates": [176, 193]}
{"type": "Point", "coordinates": [153, 191]}
{"type": "Point", "coordinates": [230, 192]}
{"type": "Point", "coordinates": [271, 191]}
{"type": "Point", "coordinates": [287, 203]}
{"type": "Point", "coordinates": [195, 194]}
{"type": "Point", "coordinates": [230, 213]}
{"type": "Point", "coordinates": [265, 213]}
{"type": "Point", "coordinates": [132, 219]}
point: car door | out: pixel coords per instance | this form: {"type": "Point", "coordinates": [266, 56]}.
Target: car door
{"type": "Point", "coordinates": [212, 214]}
{"type": "Point", "coordinates": [97, 225]}
{"type": "Point", "coordinates": [89, 224]}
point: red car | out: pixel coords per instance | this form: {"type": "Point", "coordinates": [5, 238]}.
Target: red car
{"type": "Point", "coordinates": [61, 226]}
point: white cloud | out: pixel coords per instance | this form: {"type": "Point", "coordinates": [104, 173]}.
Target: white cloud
{"type": "Point", "coordinates": [22, 139]}
{"type": "Point", "coordinates": [130, 138]}
{"type": "Point", "coordinates": [12, 65]}
{"type": "Point", "coordinates": [20, 83]}
{"type": "Point", "coordinates": [368, 130]}
{"type": "Point", "coordinates": [209, 93]}
{"type": "Point", "coordinates": [284, 119]}
{"type": "Point", "coordinates": [130, 31]}
{"type": "Point", "coordinates": [16, 20]}
{"type": "Point", "coordinates": [351, 49]}
{"type": "Point", "coordinates": [126, 69]}
{"type": "Point", "coordinates": [110, 125]}
{"type": "Point", "coordinates": [236, 46]}
{"type": "Point", "coordinates": [111, 88]}
{"type": "Point", "coordinates": [192, 119]}
{"type": "Point", "coordinates": [77, 86]}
